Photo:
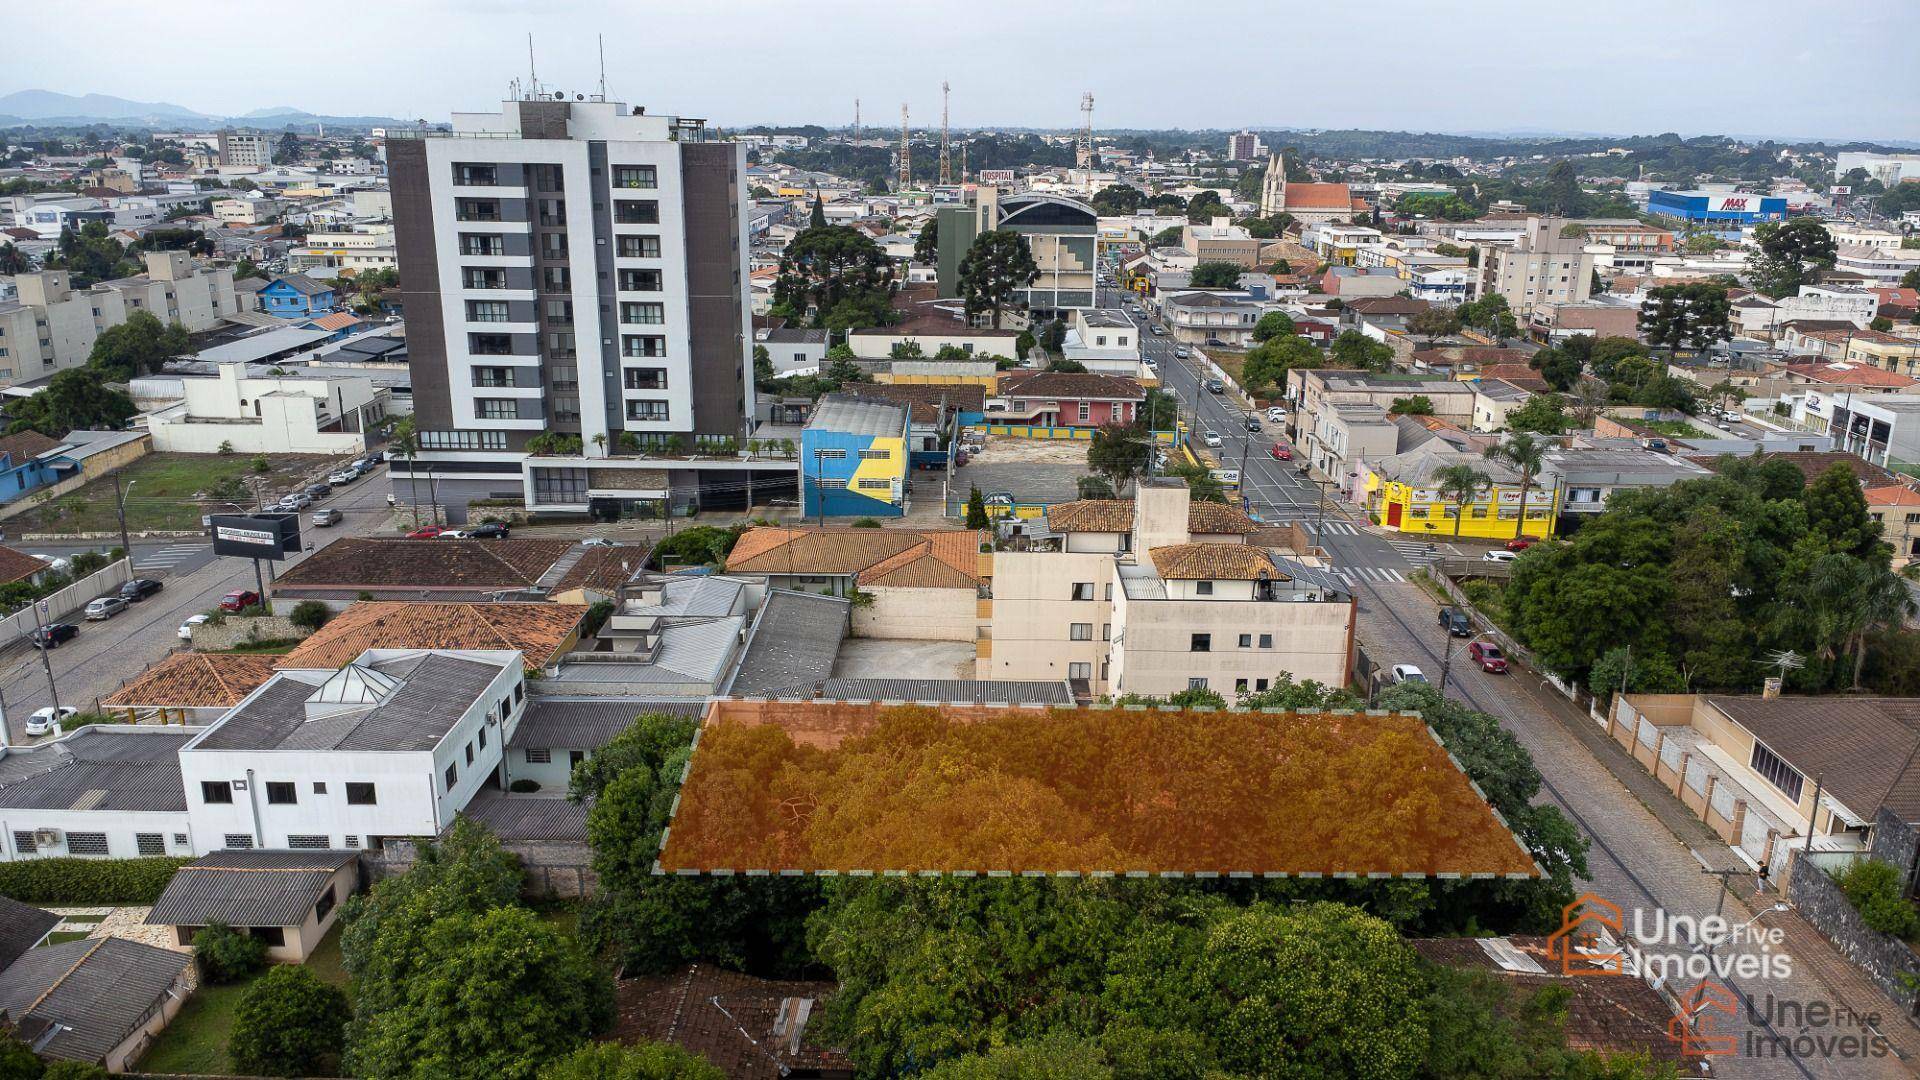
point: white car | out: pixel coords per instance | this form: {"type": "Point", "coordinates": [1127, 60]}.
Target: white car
{"type": "Point", "coordinates": [186, 628]}
{"type": "Point", "coordinates": [42, 721]}
{"type": "Point", "coordinates": [1276, 415]}
{"type": "Point", "coordinates": [1497, 555]}
{"type": "Point", "coordinates": [1408, 673]}
{"type": "Point", "coordinates": [1211, 438]}
{"type": "Point", "coordinates": [345, 476]}
{"type": "Point", "coordinates": [454, 534]}
{"type": "Point", "coordinates": [57, 563]}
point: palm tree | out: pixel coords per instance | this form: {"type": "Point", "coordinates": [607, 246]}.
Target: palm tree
{"type": "Point", "coordinates": [1884, 602]}
{"type": "Point", "coordinates": [407, 444]}
{"type": "Point", "coordinates": [1460, 485]}
{"type": "Point", "coordinates": [1526, 453]}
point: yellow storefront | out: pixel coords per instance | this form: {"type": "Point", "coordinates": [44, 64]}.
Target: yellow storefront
{"type": "Point", "coordinates": [1421, 511]}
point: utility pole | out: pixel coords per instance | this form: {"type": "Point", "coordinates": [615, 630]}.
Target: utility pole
{"type": "Point", "coordinates": [46, 648]}
{"type": "Point", "coordinates": [856, 121]}
{"type": "Point", "coordinates": [946, 157]}
{"type": "Point", "coordinates": [906, 152]}
{"type": "Point", "coordinates": [819, 486]}
{"type": "Point", "coordinates": [120, 501]}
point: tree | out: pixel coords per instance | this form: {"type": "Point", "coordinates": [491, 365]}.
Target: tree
{"type": "Point", "coordinates": [1354, 349]}
{"type": "Point", "coordinates": [977, 510]}
{"type": "Point", "coordinates": [926, 246]}
{"type": "Point", "coordinates": [1206, 206]}
{"type": "Point", "coordinates": [1434, 322]}
{"type": "Point", "coordinates": [1460, 485]}
{"type": "Point", "coordinates": [1273, 324]}
{"type": "Point", "coordinates": [1053, 335]}
{"type": "Point", "coordinates": [1789, 253]}
{"type": "Point", "coordinates": [834, 273]}
{"type": "Point", "coordinates": [1215, 275]}
{"type": "Point", "coordinates": [1417, 405]}
{"type": "Point", "coordinates": [1202, 485]}
{"type": "Point", "coordinates": [74, 398]}
{"type": "Point", "coordinates": [289, 1023]}
{"type": "Point", "coordinates": [1881, 323]}
{"type": "Point", "coordinates": [226, 955]}
{"type": "Point", "coordinates": [1526, 454]}
{"type": "Point", "coordinates": [998, 264]}
{"type": "Point", "coordinates": [12, 259]}
{"type": "Point", "coordinates": [1491, 316]}
{"type": "Point", "coordinates": [817, 216]}
{"type": "Point", "coordinates": [309, 615]}
{"type": "Point", "coordinates": [1692, 316]}
{"type": "Point", "coordinates": [1543, 414]}
{"type": "Point", "coordinates": [1702, 244]}
{"type": "Point", "coordinates": [1561, 368]}
{"type": "Point", "coordinates": [1117, 200]}
{"type": "Point", "coordinates": [17, 1059]}
{"type": "Point", "coordinates": [288, 148]}
{"type": "Point", "coordinates": [1071, 367]}
{"type": "Point", "coordinates": [1837, 513]}
{"type": "Point", "coordinates": [1267, 364]}
{"type": "Point", "coordinates": [1093, 487]}
{"type": "Point", "coordinates": [1560, 192]}
{"type": "Point", "coordinates": [136, 347]}
{"type": "Point", "coordinates": [631, 1061]}
{"type": "Point", "coordinates": [1118, 453]}
{"type": "Point", "coordinates": [1167, 237]}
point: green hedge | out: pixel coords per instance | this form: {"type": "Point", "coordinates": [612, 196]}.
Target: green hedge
{"type": "Point", "coordinates": [87, 881]}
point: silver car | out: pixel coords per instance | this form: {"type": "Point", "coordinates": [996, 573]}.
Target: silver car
{"type": "Point", "coordinates": [106, 607]}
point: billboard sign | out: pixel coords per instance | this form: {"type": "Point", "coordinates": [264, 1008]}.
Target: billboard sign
{"type": "Point", "coordinates": [994, 176]}
{"type": "Point", "coordinates": [256, 536]}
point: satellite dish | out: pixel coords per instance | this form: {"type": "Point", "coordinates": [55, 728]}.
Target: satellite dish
{"type": "Point", "coordinates": [559, 95]}
{"type": "Point", "coordinates": [579, 97]}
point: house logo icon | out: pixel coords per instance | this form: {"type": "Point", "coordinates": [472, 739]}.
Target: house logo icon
{"type": "Point", "coordinates": [1694, 1029]}
{"type": "Point", "coordinates": [1581, 925]}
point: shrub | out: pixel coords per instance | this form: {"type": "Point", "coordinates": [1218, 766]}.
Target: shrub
{"type": "Point", "coordinates": [620, 1061]}
{"type": "Point", "coordinates": [227, 955]}
{"type": "Point", "coordinates": [17, 1060]}
{"type": "Point", "coordinates": [73, 1070]}
{"type": "Point", "coordinates": [596, 617]}
{"type": "Point", "coordinates": [87, 881]}
{"type": "Point", "coordinates": [1873, 888]}
{"type": "Point", "coordinates": [310, 615]}
{"type": "Point", "coordinates": [289, 1023]}
{"type": "Point", "coordinates": [262, 465]}
{"type": "Point", "coordinates": [226, 447]}
{"type": "Point", "coordinates": [524, 786]}
{"type": "Point", "coordinates": [867, 523]}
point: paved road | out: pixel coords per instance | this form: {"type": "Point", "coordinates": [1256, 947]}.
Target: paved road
{"type": "Point", "coordinates": [107, 654]}
{"type": "Point", "coordinates": [1635, 859]}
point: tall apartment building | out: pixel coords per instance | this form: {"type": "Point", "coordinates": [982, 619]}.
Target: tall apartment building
{"type": "Point", "coordinates": [246, 148]}
{"type": "Point", "coordinates": [1542, 267]}
{"type": "Point", "coordinates": [576, 268]}
{"type": "Point", "coordinates": [49, 326]}
{"type": "Point", "coordinates": [1245, 146]}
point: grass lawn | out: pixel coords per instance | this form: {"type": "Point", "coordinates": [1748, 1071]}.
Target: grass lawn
{"type": "Point", "coordinates": [59, 936]}
{"type": "Point", "coordinates": [196, 1041]}
{"type": "Point", "coordinates": [169, 491]}
{"type": "Point", "coordinates": [1672, 429]}
{"type": "Point", "coordinates": [273, 647]}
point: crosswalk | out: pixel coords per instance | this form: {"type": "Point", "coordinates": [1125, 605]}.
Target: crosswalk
{"type": "Point", "coordinates": [1378, 575]}
{"type": "Point", "coordinates": [165, 558]}
{"type": "Point", "coordinates": [1334, 528]}
{"type": "Point", "coordinates": [1415, 549]}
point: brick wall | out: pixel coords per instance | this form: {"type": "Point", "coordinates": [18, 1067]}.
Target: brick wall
{"type": "Point", "coordinates": [234, 632]}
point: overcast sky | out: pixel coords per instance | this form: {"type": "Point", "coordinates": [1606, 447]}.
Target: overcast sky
{"type": "Point", "coordinates": [1758, 67]}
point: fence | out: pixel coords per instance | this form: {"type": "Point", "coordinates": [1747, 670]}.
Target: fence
{"type": "Point", "coordinates": [21, 623]}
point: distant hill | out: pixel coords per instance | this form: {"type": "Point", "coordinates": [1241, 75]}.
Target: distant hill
{"type": "Point", "coordinates": [48, 108]}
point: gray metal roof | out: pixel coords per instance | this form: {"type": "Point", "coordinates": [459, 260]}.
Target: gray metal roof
{"type": "Point", "coordinates": [1311, 575]}
{"type": "Point", "coordinates": [433, 691]}
{"type": "Point", "coordinates": [261, 346]}
{"type": "Point", "coordinates": [981, 691]}
{"type": "Point", "coordinates": [248, 888]}
{"type": "Point", "coordinates": [855, 416]}
{"type": "Point", "coordinates": [21, 928]}
{"type": "Point", "coordinates": [97, 768]}
{"type": "Point", "coordinates": [795, 638]}
{"type": "Point", "coordinates": [80, 999]}
{"type": "Point", "coordinates": [570, 723]}
{"type": "Point", "coordinates": [529, 817]}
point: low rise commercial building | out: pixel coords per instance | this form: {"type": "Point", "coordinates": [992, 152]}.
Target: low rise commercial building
{"type": "Point", "coordinates": [1065, 399]}
{"type": "Point", "coordinates": [1209, 318]}
{"type": "Point", "coordinates": [1105, 341]}
{"type": "Point", "coordinates": [853, 459]}
{"type": "Point", "coordinates": [1221, 241]}
{"type": "Point", "coordinates": [270, 414]}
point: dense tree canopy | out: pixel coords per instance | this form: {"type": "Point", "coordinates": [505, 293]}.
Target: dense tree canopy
{"type": "Point", "coordinates": [834, 276]}
{"type": "Point", "coordinates": [1690, 316]}
{"type": "Point", "coordinates": [1215, 275]}
{"type": "Point", "coordinates": [74, 398]}
{"type": "Point", "coordinates": [996, 266]}
{"type": "Point", "coordinates": [1790, 252]}
{"type": "Point", "coordinates": [136, 347]}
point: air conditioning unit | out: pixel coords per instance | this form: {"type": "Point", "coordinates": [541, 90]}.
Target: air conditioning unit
{"type": "Point", "coordinates": [46, 837]}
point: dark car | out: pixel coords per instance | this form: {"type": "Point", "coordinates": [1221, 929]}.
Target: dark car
{"type": "Point", "coordinates": [1253, 423]}
{"type": "Point", "coordinates": [1215, 386]}
{"type": "Point", "coordinates": [492, 530]}
{"type": "Point", "coordinates": [315, 490]}
{"type": "Point", "coordinates": [139, 589]}
{"type": "Point", "coordinates": [1489, 657]}
{"type": "Point", "coordinates": [51, 635]}
{"type": "Point", "coordinates": [1456, 622]}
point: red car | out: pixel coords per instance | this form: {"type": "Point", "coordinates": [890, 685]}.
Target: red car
{"type": "Point", "coordinates": [1281, 452]}
{"type": "Point", "coordinates": [239, 600]}
{"type": "Point", "coordinates": [426, 532]}
{"type": "Point", "coordinates": [1489, 657]}
{"type": "Point", "coordinates": [1520, 544]}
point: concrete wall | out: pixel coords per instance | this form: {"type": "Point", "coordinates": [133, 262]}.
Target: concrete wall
{"type": "Point", "coordinates": [918, 614]}
{"type": "Point", "coordinates": [235, 632]}
{"type": "Point", "coordinates": [1885, 959]}
{"type": "Point", "coordinates": [1310, 641]}
{"type": "Point", "coordinates": [68, 600]}
{"type": "Point", "coordinates": [557, 868]}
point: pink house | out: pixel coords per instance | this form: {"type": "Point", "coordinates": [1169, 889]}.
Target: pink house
{"type": "Point", "coordinates": [1065, 399]}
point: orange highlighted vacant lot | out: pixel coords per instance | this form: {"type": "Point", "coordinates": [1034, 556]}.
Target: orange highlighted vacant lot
{"type": "Point", "coordinates": [820, 786]}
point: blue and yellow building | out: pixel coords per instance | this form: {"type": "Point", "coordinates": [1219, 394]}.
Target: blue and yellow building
{"type": "Point", "coordinates": [853, 459]}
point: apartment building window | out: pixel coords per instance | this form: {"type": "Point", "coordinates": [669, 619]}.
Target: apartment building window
{"type": "Point", "coordinates": [566, 408]}
{"type": "Point", "coordinates": [319, 787]}
{"type": "Point", "coordinates": [556, 279]}
{"type": "Point", "coordinates": [463, 440]}
{"type": "Point", "coordinates": [1266, 642]}
{"type": "Point", "coordinates": [281, 793]}
{"type": "Point", "coordinates": [553, 245]}
{"type": "Point", "coordinates": [553, 212]}
{"type": "Point", "coordinates": [1196, 683]}
{"type": "Point", "coordinates": [24, 843]}
{"type": "Point", "coordinates": [469, 753]}
{"type": "Point", "coordinates": [635, 176]}
{"type": "Point", "coordinates": [496, 408]}
{"type": "Point", "coordinates": [471, 175]}
{"type": "Point", "coordinates": [483, 731]}
{"type": "Point", "coordinates": [642, 345]}
{"type": "Point", "coordinates": [361, 794]}
{"type": "Point", "coordinates": [86, 843]}
{"type": "Point", "coordinates": [482, 244]}
{"type": "Point", "coordinates": [876, 455]}
{"type": "Point", "coordinates": [1259, 686]}
{"type": "Point", "coordinates": [489, 344]}
{"type": "Point", "coordinates": [560, 345]}
{"type": "Point", "coordinates": [559, 313]}
{"type": "Point", "coordinates": [642, 313]}
{"type": "Point", "coordinates": [1083, 590]}
{"type": "Point", "coordinates": [1203, 588]}
{"type": "Point", "coordinates": [648, 378]}
{"type": "Point", "coordinates": [647, 410]}
{"type": "Point", "coordinates": [549, 178]}
{"type": "Point", "coordinates": [640, 281]}
{"type": "Point", "coordinates": [560, 485]}
{"type": "Point", "coordinates": [1239, 686]}
{"type": "Point", "coordinates": [636, 212]}
{"type": "Point", "coordinates": [487, 311]}
{"type": "Point", "coordinates": [873, 484]}
{"type": "Point", "coordinates": [1201, 643]}
{"type": "Point", "coordinates": [1777, 772]}
{"type": "Point", "coordinates": [1080, 631]}
{"type": "Point", "coordinates": [474, 277]}
{"type": "Point", "coordinates": [476, 210]}
{"type": "Point", "coordinates": [538, 755]}
{"type": "Point", "coordinates": [216, 791]}
{"type": "Point", "coordinates": [565, 377]}
{"type": "Point", "coordinates": [150, 843]}
{"type": "Point", "coordinates": [1106, 631]}
{"type": "Point", "coordinates": [239, 841]}
{"type": "Point", "coordinates": [492, 376]}
{"type": "Point", "coordinates": [638, 247]}
{"type": "Point", "coordinates": [1080, 670]}
{"type": "Point", "coordinates": [1246, 641]}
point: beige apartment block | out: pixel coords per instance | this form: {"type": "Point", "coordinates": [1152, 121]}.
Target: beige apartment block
{"type": "Point", "coordinates": [51, 326]}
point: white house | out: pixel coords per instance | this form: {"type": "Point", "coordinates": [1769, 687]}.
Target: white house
{"type": "Point", "coordinates": [1105, 340]}
{"type": "Point", "coordinates": [270, 414]}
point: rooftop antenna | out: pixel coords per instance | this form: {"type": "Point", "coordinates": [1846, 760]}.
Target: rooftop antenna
{"type": "Point", "coordinates": [946, 158]}
{"type": "Point", "coordinates": [533, 80]}
{"type": "Point", "coordinates": [602, 39]}
{"type": "Point", "coordinates": [906, 152]}
{"type": "Point", "coordinates": [1083, 155]}
{"type": "Point", "coordinates": [856, 120]}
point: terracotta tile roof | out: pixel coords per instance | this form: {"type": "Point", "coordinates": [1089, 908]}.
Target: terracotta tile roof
{"type": "Point", "coordinates": [727, 1018]}
{"type": "Point", "coordinates": [923, 399]}
{"type": "Point", "coordinates": [359, 562]}
{"type": "Point", "coordinates": [1319, 197]}
{"type": "Point", "coordinates": [18, 565]}
{"type": "Point", "coordinates": [190, 680]}
{"type": "Point", "coordinates": [894, 558]}
{"type": "Point", "coordinates": [1893, 495]}
{"type": "Point", "coordinates": [1213, 562]}
{"type": "Point", "coordinates": [604, 569]}
{"type": "Point", "coordinates": [1217, 519]}
{"type": "Point", "coordinates": [1388, 305]}
{"type": "Point", "coordinates": [1091, 515]}
{"type": "Point", "coordinates": [537, 630]}
{"type": "Point", "coordinates": [1071, 384]}
{"type": "Point", "coordinates": [1838, 336]}
{"type": "Point", "coordinates": [339, 320]}
{"type": "Point", "coordinates": [26, 446]}
{"type": "Point", "coordinates": [1850, 375]}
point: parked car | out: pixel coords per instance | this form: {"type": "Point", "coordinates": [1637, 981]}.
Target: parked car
{"type": "Point", "coordinates": [1211, 438]}
{"type": "Point", "coordinates": [1158, 330]}
{"type": "Point", "coordinates": [494, 530]}
{"type": "Point", "coordinates": [1456, 622]}
{"type": "Point", "coordinates": [106, 607]}
{"type": "Point", "coordinates": [1489, 657]}
{"type": "Point", "coordinates": [1276, 415]}
{"type": "Point", "coordinates": [454, 534]}
{"type": "Point", "coordinates": [1216, 342]}
{"type": "Point", "coordinates": [1253, 423]}
{"type": "Point", "coordinates": [51, 635]}
{"type": "Point", "coordinates": [238, 600]}
{"type": "Point", "coordinates": [344, 476]}
{"type": "Point", "coordinates": [1519, 543]}
{"type": "Point", "coordinates": [425, 532]}
{"type": "Point", "coordinates": [42, 720]}
{"type": "Point", "coordinates": [186, 628]}
{"type": "Point", "coordinates": [57, 563]}
{"type": "Point", "coordinates": [1408, 673]}
{"type": "Point", "coordinates": [139, 589]}
{"type": "Point", "coordinates": [375, 457]}
{"type": "Point", "coordinates": [317, 490]}
{"type": "Point", "coordinates": [1281, 452]}
{"type": "Point", "coordinates": [1215, 386]}
{"type": "Point", "coordinates": [1497, 556]}
{"type": "Point", "coordinates": [1182, 352]}
{"type": "Point", "coordinates": [328, 516]}
{"type": "Point", "coordinates": [298, 500]}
